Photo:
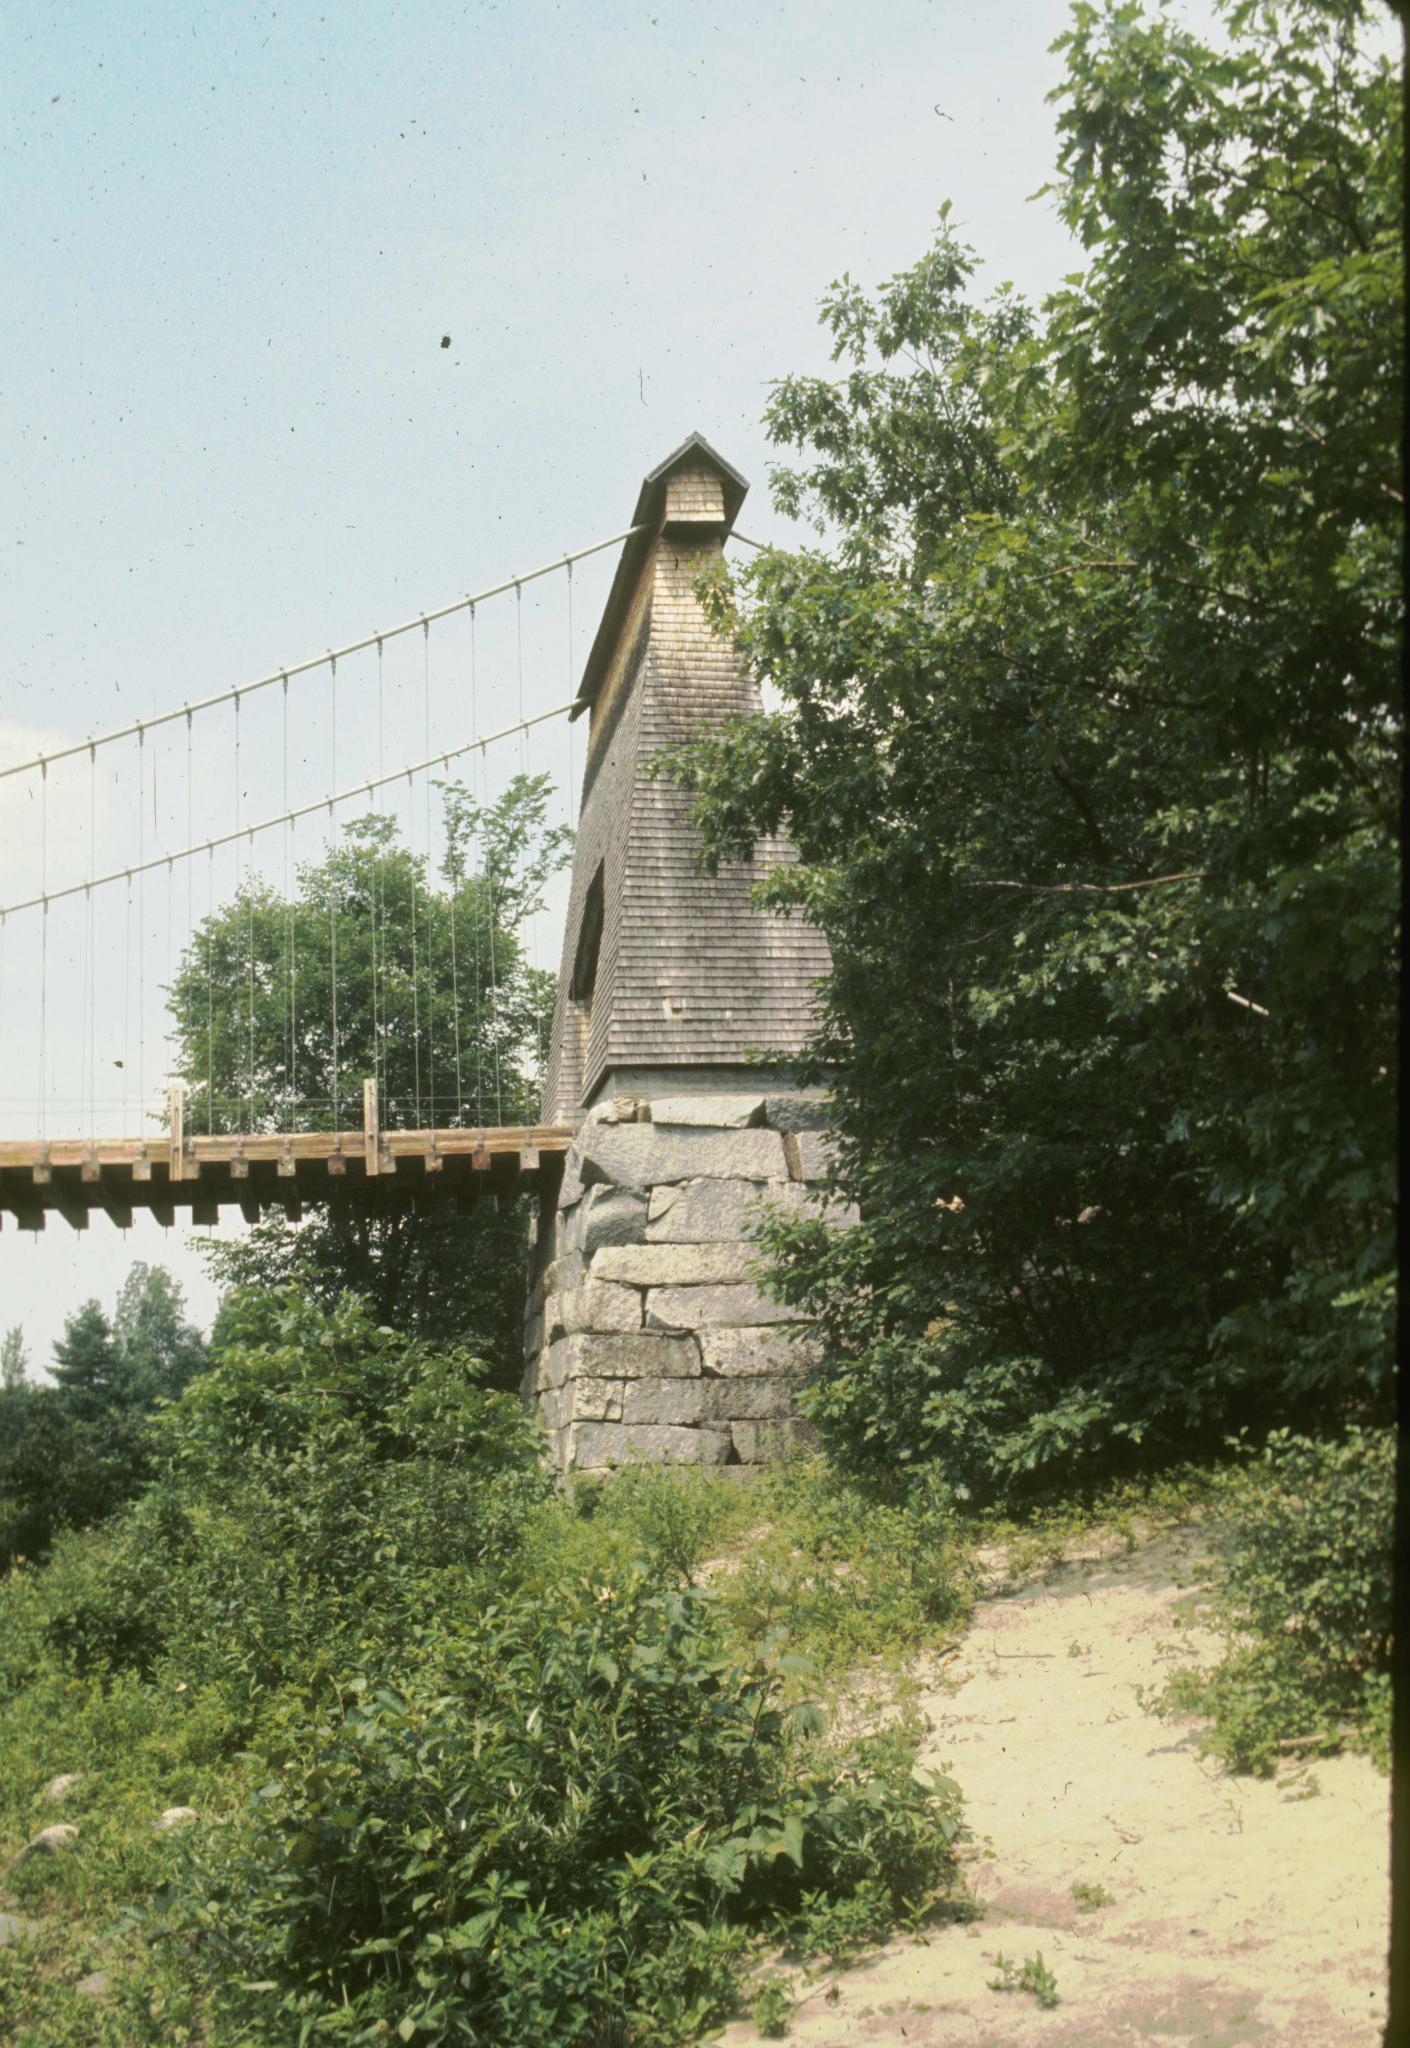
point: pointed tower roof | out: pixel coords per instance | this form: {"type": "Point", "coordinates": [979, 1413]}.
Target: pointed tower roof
{"type": "Point", "coordinates": [694, 457]}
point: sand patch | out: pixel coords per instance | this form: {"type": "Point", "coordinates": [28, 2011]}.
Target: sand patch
{"type": "Point", "coordinates": [1243, 1913]}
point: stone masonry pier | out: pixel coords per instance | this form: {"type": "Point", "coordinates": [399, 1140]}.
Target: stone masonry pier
{"type": "Point", "coordinates": [648, 1334]}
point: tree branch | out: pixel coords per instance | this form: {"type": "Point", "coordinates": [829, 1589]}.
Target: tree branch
{"type": "Point", "coordinates": [1095, 888]}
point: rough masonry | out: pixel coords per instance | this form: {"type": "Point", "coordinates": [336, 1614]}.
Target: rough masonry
{"type": "Point", "coordinates": [648, 1334]}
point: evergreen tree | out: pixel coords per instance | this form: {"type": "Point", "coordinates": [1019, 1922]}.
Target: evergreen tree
{"type": "Point", "coordinates": [41, 1469]}
{"type": "Point", "coordinates": [89, 1372]}
{"type": "Point", "coordinates": [74, 1452]}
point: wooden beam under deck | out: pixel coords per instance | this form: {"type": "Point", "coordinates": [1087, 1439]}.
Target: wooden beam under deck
{"type": "Point", "coordinates": [74, 1178]}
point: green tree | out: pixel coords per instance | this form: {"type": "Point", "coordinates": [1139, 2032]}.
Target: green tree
{"type": "Point", "coordinates": [74, 1451]}
{"type": "Point", "coordinates": [435, 998]}
{"type": "Point", "coordinates": [445, 1278]}
{"type": "Point", "coordinates": [90, 1372]}
{"type": "Point", "coordinates": [161, 1351]}
{"type": "Point", "coordinates": [37, 1467]}
{"type": "Point", "coordinates": [283, 1006]}
{"type": "Point", "coordinates": [13, 1357]}
{"type": "Point", "coordinates": [1089, 741]}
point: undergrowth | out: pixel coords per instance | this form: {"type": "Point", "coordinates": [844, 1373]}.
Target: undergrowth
{"type": "Point", "coordinates": [473, 1761]}
{"type": "Point", "coordinates": [1304, 1605]}
{"type": "Point", "coordinates": [1120, 1513]}
{"type": "Point", "coordinates": [478, 1761]}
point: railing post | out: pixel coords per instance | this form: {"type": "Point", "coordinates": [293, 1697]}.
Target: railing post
{"type": "Point", "coordinates": [176, 1125]}
{"type": "Point", "coordinates": [371, 1132]}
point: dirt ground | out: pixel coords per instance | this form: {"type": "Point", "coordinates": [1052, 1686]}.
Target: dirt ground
{"type": "Point", "coordinates": [1244, 1911]}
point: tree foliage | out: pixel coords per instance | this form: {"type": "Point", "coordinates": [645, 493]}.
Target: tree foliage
{"type": "Point", "coordinates": [161, 1351]}
{"type": "Point", "coordinates": [14, 1357]}
{"type": "Point", "coordinates": [1089, 742]}
{"type": "Point", "coordinates": [375, 968]}
{"type": "Point", "coordinates": [73, 1451]}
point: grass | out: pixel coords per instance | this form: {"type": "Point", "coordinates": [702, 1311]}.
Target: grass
{"type": "Point", "coordinates": [1120, 1515]}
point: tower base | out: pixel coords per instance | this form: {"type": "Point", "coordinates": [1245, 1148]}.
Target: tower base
{"type": "Point", "coordinates": [648, 1333]}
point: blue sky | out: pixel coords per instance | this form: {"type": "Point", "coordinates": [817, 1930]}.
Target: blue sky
{"type": "Point", "coordinates": [236, 237]}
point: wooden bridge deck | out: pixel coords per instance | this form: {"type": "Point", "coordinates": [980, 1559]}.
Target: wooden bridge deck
{"type": "Point", "coordinates": [78, 1177]}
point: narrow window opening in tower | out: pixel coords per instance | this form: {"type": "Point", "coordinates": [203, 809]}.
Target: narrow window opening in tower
{"type": "Point", "coordinates": [585, 962]}
{"type": "Point", "coordinates": [589, 941]}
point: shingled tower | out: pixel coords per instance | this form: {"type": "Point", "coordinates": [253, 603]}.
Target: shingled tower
{"type": "Point", "coordinates": [671, 979]}
{"type": "Point", "coordinates": [646, 1333]}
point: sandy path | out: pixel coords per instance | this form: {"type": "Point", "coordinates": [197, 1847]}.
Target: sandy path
{"type": "Point", "coordinates": [1242, 1913]}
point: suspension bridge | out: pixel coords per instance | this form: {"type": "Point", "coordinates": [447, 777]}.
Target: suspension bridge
{"type": "Point", "coordinates": [225, 961]}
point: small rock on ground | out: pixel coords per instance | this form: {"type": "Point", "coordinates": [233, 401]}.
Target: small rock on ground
{"type": "Point", "coordinates": [178, 1817]}
{"type": "Point", "coordinates": [59, 1788]}
{"type": "Point", "coordinates": [50, 1841]}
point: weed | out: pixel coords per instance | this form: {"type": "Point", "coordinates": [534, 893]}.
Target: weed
{"type": "Point", "coordinates": [846, 1576]}
{"type": "Point", "coordinates": [838, 1928]}
{"type": "Point", "coordinates": [1122, 1511]}
{"type": "Point", "coordinates": [1304, 1607]}
{"type": "Point", "coordinates": [1032, 1975]}
{"type": "Point", "coordinates": [1092, 1897]}
{"type": "Point", "coordinates": [773, 2009]}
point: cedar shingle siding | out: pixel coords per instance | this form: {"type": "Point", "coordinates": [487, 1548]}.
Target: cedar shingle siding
{"type": "Point", "coordinates": [688, 973]}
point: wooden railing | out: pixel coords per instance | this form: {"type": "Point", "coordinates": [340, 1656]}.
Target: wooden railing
{"type": "Point", "coordinates": [75, 1177]}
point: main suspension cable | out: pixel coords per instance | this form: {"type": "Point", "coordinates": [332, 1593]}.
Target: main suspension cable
{"type": "Point", "coordinates": [39, 762]}
{"type": "Point", "coordinates": [323, 803]}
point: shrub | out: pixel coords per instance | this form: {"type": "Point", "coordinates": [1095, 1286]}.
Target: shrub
{"type": "Point", "coordinates": [773, 2009]}
{"type": "Point", "coordinates": [472, 1759]}
{"type": "Point", "coordinates": [846, 1573]}
{"type": "Point", "coordinates": [565, 1827]}
{"type": "Point", "coordinates": [328, 1486]}
{"type": "Point", "coordinates": [1305, 1602]}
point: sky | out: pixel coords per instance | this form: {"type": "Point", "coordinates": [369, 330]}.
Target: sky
{"type": "Point", "coordinates": [233, 437]}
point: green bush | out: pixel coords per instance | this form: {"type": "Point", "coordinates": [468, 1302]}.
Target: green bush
{"type": "Point", "coordinates": [565, 1827]}
{"type": "Point", "coordinates": [844, 1573]}
{"type": "Point", "coordinates": [1305, 1603]}
{"type": "Point", "coordinates": [328, 1485]}
{"type": "Point", "coordinates": [472, 1758]}
{"type": "Point", "coordinates": [664, 1518]}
